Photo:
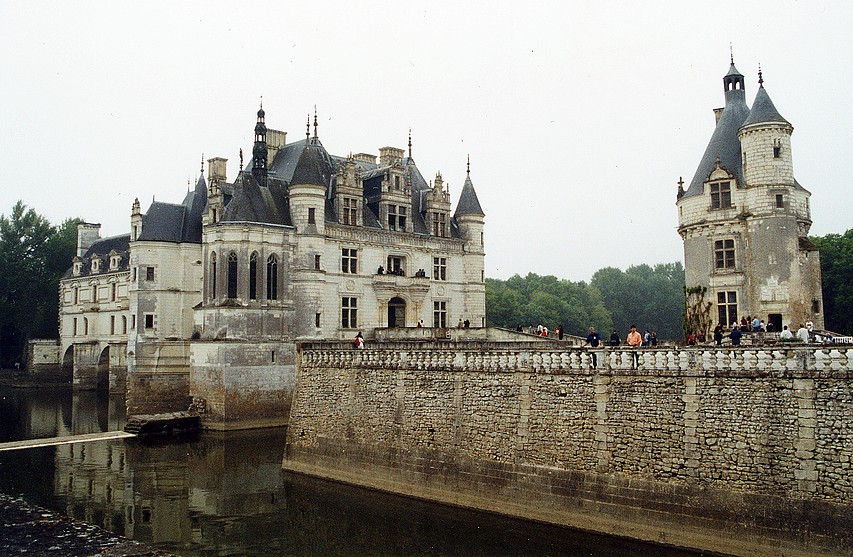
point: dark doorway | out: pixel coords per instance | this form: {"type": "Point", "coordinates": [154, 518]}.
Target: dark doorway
{"type": "Point", "coordinates": [776, 320]}
{"type": "Point", "coordinates": [397, 312]}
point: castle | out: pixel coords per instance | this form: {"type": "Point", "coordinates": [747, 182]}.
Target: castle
{"type": "Point", "coordinates": [302, 244]}
{"type": "Point", "coordinates": [745, 219]}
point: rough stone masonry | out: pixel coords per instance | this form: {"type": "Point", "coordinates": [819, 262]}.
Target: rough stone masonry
{"type": "Point", "coordinates": [744, 451]}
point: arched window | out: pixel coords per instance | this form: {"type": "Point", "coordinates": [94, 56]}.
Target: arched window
{"type": "Point", "coordinates": [124, 324]}
{"type": "Point", "coordinates": [213, 275]}
{"type": "Point", "coordinates": [272, 277]}
{"type": "Point", "coordinates": [253, 276]}
{"type": "Point", "coordinates": [232, 275]}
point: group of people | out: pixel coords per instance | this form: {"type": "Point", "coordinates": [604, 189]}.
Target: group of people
{"type": "Point", "coordinates": [754, 325]}
{"type": "Point", "coordinates": [634, 340]}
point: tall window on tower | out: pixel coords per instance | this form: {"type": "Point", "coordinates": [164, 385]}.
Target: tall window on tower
{"type": "Point", "coordinates": [439, 224]}
{"type": "Point", "coordinates": [349, 260]}
{"type": "Point", "coordinates": [396, 217]}
{"type": "Point", "coordinates": [272, 277]}
{"type": "Point", "coordinates": [721, 195]}
{"type": "Point", "coordinates": [213, 275]}
{"type": "Point", "coordinates": [727, 308]}
{"type": "Point", "coordinates": [232, 275]}
{"type": "Point", "coordinates": [724, 254]}
{"type": "Point", "coordinates": [349, 312]}
{"type": "Point", "coordinates": [253, 276]}
{"type": "Point", "coordinates": [350, 211]}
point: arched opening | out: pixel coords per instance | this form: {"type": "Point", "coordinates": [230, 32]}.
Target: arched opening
{"type": "Point", "coordinates": [68, 364]}
{"type": "Point", "coordinates": [272, 277]}
{"type": "Point", "coordinates": [103, 378]}
{"type": "Point", "coordinates": [396, 312]}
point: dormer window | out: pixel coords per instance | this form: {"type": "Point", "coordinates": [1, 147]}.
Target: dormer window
{"type": "Point", "coordinates": [115, 261]}
{"type": "Point", "coordinates": [78, 267]}
{"type": "Point", "coordinates": [439, 224]}
{"type": "Point", "coordinates": [350, 211]}
{"type": "Point", "coordinates": [396, 217]}
{"type": "Point", "coordinates": [721, 195]}
{"type": "Point", "coordinates": [96, 264]}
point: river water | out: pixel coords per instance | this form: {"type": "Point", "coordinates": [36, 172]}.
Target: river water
{"type": "Point", "coordinates": [226, 494]}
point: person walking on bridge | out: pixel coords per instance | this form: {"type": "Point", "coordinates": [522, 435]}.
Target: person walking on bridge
{"type": "Point", "coordinates": [593, 339]}
{"type": "Point", "coordinates": [634, 340]}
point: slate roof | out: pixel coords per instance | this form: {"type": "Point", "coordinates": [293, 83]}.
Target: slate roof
{"type": "Point", "coordinates": [468, 202]}
{"type": "Point", "coordinates": [306, 161]}
{"type": "Point", "coordinates": [763, 110]}
{"type": "Point", "coordinates": [170, 222]}
{"type": "Point", "coordinates": [103, 247]}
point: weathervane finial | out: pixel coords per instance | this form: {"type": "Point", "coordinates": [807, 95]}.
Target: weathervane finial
{"type": "Point", "coordinates": [760, 77]}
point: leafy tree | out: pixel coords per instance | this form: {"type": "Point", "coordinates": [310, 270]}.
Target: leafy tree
{"type": "Point", "coordinates": [650, 297]}
{"type": "Point", "coordinates": [545, 299]}
{"type": "Point", "coordinates": [33, 256]}
{"type": "Point", "coordinates": [836, 267]}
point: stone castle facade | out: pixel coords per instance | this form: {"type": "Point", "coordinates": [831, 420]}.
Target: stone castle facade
{"type": "Point", "coordinates": [302, 244]}
{"type": "Point", "coordinates": [744, 218]}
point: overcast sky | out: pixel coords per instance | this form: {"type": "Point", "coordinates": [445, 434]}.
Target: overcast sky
{"type": "Point", "coordinates": [579, 118]}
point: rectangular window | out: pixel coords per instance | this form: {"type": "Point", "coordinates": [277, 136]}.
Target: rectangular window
{"type": "Point", "coordinates": [777, 152]}
{"type": "Point", "coordinates": [133, 279]}
{"type": "Point", "coordinates": [780, 201]}
{"type": "Point", "coordinates": [396, 218]}
{"type": "Point", "coordinates": [133, 322]}
{"type": "Point", "coordinates": [439, 314]}
{"type": "Point", "coordinates": [74, 327]}
{"type": "Point", "coordinates": [439, 268]}
{"type": "Point", "coordinates": [349, 260]}
{"type": "Point", "coordinates": [149, 320]}
{"type": "Point", "coordinates": [439, 224]}
{"type": "Point", "coordinates": [149, 273]}
{"type": "Point", "coordinates": [311, 217]}
{"type": "Point", "coordinates": [350, 211]}
{"type": "Point", "coordinates": [112, 324]}
{"type": "Point", "coordinates": [114, 291]}
{"type": "Point", "coordinates": [316, 262]}
{"type": "Point", "coordinates": [317, 320]}
{"type": "Point", "coordinates": [349, 312]}
{"type": "Point", "coordinates": [721, 195]}
{"type": "Point", "coordinates": [727, 308]}
{"type": "Point", "coordinates": [724, 254]}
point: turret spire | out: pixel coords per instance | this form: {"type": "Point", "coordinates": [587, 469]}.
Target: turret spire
{"type": "Point", "coordinates": [315, 121]}
{"type": "Point", "coordinates": [259, 150]}
{"type": "Point", "coordinates": [468, 170]}
{"type": "Point", "coordinates": [202, 164]}
{"type": "Point", "coordinates": [760, 77]}
{"type": "Point", "coordinates": [410, 143]}
{"type": "Point", "coordinates": [308, 129]}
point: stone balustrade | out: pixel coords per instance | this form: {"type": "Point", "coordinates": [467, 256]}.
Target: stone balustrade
{"type": "Point", "coordinates": [822, 361]}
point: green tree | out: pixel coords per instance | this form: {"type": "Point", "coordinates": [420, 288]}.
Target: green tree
{"type": "Point", "coordinates": [33, 256]}
{"type": "Point", "coordinates": [836, 268]}
{"type": "Point", "coordinates": [650, 297]}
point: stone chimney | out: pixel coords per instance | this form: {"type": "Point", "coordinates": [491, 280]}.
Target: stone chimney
{"type": "Point", "coordinates": [717, 113]}
{"type": "Point", "coordinates": [365, 157]}
{"type": "Point", "coordinates": [87, 234]}
{"type": "Point", "coordinates": [389, 156]}
{"type": "Point", "coordinates": [216, 169]}
{"type": "Point", "coordinates": [276, 139]}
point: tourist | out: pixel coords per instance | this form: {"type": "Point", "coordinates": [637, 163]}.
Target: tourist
{"type": "Point", "coordinates": [803, 333]}
{"type": "Point", "coordinates": [735, 334]}
{"type": "Point", "coordinates": [358, 341]}
{"type": "Point", "coordinates": [786, 333]}
{"type": "Point", "coordinates": [654, 340]}
{"type": "Point", "coordinates": [770, 327]}
{"type": "Point", "coordinates": [634, 340]}
{"type": "Point", "coordinates": [593, 339]}
{"type": "Point", "coordinates": [559, 331]}
{"type": "Point", "coordinates": [380, 270]}
{"type": "Point", "coordinates": [459, 323]}
{"type": "Point", "coordinates": [756, 325]}
{"type": "Point", "coordinates": [718, 334]}
{"type": "Point", "coordinates": [466, 324]}
{"type": "Point", "coordinates": [691, 339]}
{"type": "Point", "coordinates": [647, 338]}
{"type": "Point", "coordinates": [614, 339]}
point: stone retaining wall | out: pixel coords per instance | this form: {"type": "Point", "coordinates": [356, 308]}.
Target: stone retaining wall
{"type": "Point", "coordinates": [745, 451]}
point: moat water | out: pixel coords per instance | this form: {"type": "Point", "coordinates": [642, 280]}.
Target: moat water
{"type": "Point", "coordinates": [226, 494]}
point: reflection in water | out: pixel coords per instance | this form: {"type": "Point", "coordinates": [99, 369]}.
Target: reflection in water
{"type": "Point", "coordinates": [225, 494]}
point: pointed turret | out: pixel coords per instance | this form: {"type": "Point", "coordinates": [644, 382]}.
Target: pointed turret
{"type": "Point", "coordinates": [468, 202]}
{"type": "Point", "coordinates": [765, 138]}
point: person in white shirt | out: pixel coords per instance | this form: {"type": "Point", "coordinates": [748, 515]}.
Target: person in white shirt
{"type": "Point", "coordinates": [803, 333]}
{"type": "Point", "coordinates": [786, 334]}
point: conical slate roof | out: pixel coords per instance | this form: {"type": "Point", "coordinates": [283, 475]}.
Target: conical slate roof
{"type": "Point", "coordinates": [468, 202]}
{"type": "Point", "coordinates": [763, 110]}
{"type": "Point", "coordinates": [312, 168]}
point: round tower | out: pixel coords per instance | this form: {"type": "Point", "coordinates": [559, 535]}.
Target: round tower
{"type": "Point", "coordinates": [308, 191]}
{"type": "Point", "coordinates": [765, 138]}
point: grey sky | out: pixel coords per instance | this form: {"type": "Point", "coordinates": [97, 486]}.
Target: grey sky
{"type": "Point", "coordinates": [578, 118]}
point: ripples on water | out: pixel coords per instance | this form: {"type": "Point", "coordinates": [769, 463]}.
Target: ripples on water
{"type": "Point", "coordinates": [225, 494]}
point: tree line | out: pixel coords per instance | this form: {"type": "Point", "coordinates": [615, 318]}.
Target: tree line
{"type": "Point", "coordinates": [34, 255]}
{"type": "Point", "coordinates": [650, 297]}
